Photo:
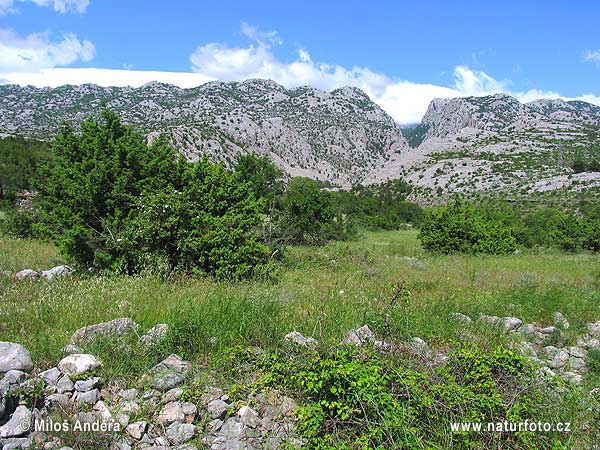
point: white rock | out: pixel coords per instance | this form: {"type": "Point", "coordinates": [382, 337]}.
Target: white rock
{"type": "Point", "coordinates": [155, 334]}
{"type": "Point", "coordinates": [298, 339]}
{"type": "Point", "coordinates": [27, 274]}
{"type": "Point", "coordinates": [57, 272]}
{"type": "Point", "coordinates": [78, 363]}
{"type": "Point", "coordinates": [114, 328]}
{"type": "Point", "coordinates": [18, 425]}
{"type": "Point", "coordinates": [14, 357]}
{"type": "Point", "coordinates": [137, 429]}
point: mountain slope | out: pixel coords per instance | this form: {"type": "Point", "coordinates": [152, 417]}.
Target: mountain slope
{"type": "Point", "coordinates": [336, 136]}
{"type": "Point", "coordinates": [498, 146]}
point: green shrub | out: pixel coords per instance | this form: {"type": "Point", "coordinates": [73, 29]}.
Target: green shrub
{"type": "Point", "coordinates": [113, 202]}
{"type": "Point", "coordinates": [307, 214]}
{"type": "Point", "coordinates": [365, 400]}
{"type": "Point", "coordinates": [461, 228]}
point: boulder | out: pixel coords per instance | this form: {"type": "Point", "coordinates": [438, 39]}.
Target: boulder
{"type": "Point", "coordinates": [594, 329]}
{"type": "Point", "coordinates": [461, 317]}
{"type": "Point", "coordinates": [57, 272]}
{"type": "Point", "coordinates": [180, 433]}
{"type": "Point", "coordinates": [14, 357]}
{"type": "Point", "coordinates": [297, 338]}
{"type": "Point", "coordinates": [78, 363]}
{"type": "Point", "coordinates": [137, 429]}
{"type": "Point", "coordinates": [511, 323]}
{"type": "Point", "coordinates": [27, 274]}
{"type": "Point", "coordinates": [217, 409]}
{"type": "Point", "coordinates": [18, 425]}
{"type": "Point", "coordinates": [114, 328]}
{"type": "Point", "coordinates": [177, 412]}
{"type": "Point", "coordinates": [155, 335]}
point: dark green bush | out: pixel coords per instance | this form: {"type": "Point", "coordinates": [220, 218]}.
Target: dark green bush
{"type": "Point", "coordinates": [462, 228]}
{"type": "Point", "coordinates": [113, 202]}
{"type": "Point", "coordinates": [307, 214]}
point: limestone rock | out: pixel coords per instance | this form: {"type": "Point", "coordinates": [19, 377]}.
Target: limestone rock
{"type": "Point", "coordinates": [78, 363]}
{"type": "Point", "coordinates": [113, 328]}
{"type": "Point", "coordinates": [14, 357]}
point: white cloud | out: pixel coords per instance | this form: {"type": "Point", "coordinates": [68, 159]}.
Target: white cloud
{"type": "Point", "coordinates": [36, 51]}
{"type": "Point", "coordinates": [406, 101]}
{"type": "Point", "coordinates": [61, 6]}
{"type": "Point", "coordinates": [592, 56]}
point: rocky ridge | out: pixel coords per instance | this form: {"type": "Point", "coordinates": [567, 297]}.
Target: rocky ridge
{"type": "Point", "coordinates": [335, 136]}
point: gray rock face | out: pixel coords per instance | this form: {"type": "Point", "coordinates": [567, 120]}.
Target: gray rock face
{"type": "Point", "coordinates": [338, 136]}
{"type": "Point", "coordinates": [27, 274]}
{"type": "Point", "coordinates": [78, 363]}
{"type": "Point", "coordinates": [14, 357]}
{"type": "Point", "coordinates": [18, 425]}
{"type": "Point", "coordinates": [114, 328]}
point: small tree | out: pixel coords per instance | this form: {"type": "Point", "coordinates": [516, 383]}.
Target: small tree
{"type": "Point", "coordinates": [307, 214]}
{"type": "Point", "coordinates": [113, 202]}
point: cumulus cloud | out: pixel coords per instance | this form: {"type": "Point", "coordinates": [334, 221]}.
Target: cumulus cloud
{"type": "Point", "coordinates": [592, 56]}
{"type": "Point", "coordinates": [36, 51]}
{"type": "Point", "coordinates": [61, 6]}
{"type": "Point", "coordinates": [406, 101]}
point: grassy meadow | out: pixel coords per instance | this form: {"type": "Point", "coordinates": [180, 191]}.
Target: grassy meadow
{"type": "Point", "coordinates": [322, 292]}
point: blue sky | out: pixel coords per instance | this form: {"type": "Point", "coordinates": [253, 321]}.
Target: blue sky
{"type": "Point", "coordinates": [401, 53]}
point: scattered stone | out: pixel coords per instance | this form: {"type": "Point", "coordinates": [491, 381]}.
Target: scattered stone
{"type": "Point", "coordinates": [560, 320]}
{"type": "Point", "coordinates": [298, 339]}
{"type": "Point", "coordinates": [461, 317]}
{"type": "Point", "coordinates": [18, 425]}
{"type": "Point", "coordinates": [78, 363]}
{"type": "Point", "coordinates": [17, 443]}
{"type": "Point", "coordinates": [14, 357]}
{"type": "Point", "coordinates": [177, 412]}
{"type": "Point", "coordinates": [57, 399]}
{"type": "Point", "coordinates": [577, 352]}
{"type": "Point", "coordinates": [492, 320]}
{"type": "Point", "coordinates": [87, 398]}
{"type": "Point", "coordinates": [547, 330]}
{"type": "Point", "coordinates": [71, 349]}
{"type": "Point", "coordinates": [217, 409]}
{"type": "Point", "coordinates": [594, 329]}
{"type": "Point", "coordinates": [128, 394]}
{"type": "Point", "coordinates": [27, 274]}
{"type": "Point", "coordinates": [51, 376]}
{"type": "Point", "coordinates": [167, 380]}
{"type": "Point", "coordinates": [114, 328]}
{"type": "Point", "coordinates": [65, 384]}
{"type": "Point", "coordinates": [15, 378]}
{"type": "Point", "coordinates": [155, 335]}
{"type": "Point", "coordinates": [419, 347]}
{"type": "Point", "coordinates": [248, 417]}
{"type": "Point", "coordinates": [137, 429]}
{"type": "Point", "coordinates": [172, 396]}
{"type": "Point", "coordinates": [577, 364]}
{"type": "Point", "coordinates": [511, 323]}
{"type": "Point", "coordinates": [572, 377]}
{"type": "Point", "coordinates": [180, 433]}
{"type": "Point", "coordinates": [57, 272]}
{"type": "Point", "coordinates": [87, 385]}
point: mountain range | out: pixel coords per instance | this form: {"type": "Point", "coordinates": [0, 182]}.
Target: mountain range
{"type": "Point", "coordinates": [468, 145]}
